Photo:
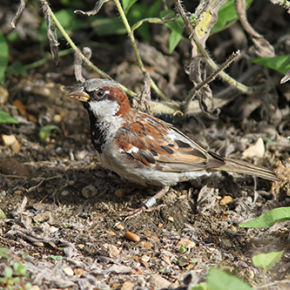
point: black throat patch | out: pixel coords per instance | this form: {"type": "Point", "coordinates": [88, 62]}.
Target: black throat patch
{"type": "Point", "coordinates": [98, 136]}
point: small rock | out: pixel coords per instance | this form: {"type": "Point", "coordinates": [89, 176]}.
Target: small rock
{"type": "Point", "coordinates": [68, 271]}
{"type": "Point", "coordinates": [53, 229]}
{"type": "Point", "coordinates": [3, 95]}
{"type": "Point", "coordinates": [159, 282]}
{"type": "Point", "coordinates": [110, 251]}
{"type": "Point", "coordinates": [11, 141]}
{"type": "Point", "coordinates": [80, 246]}
{"type": "Point", "coordinates": [187, 243]}
{"type": "Point", "coordinates": [79, 272]}
{"type": "Point", "coordinates": [11, 166]}
{"type": "Point", "coordinates": [34, 287]}
{"type": "Point", "coordinates": [144, 244]}
{"type": "Point", "coordinates": [226, 199]}
{"type": "Point", "coordinates": [120, 192]}
{"type": "Point", "coordinates": [128, 285]}
{"type": "Point", "coordinates": [42, 217]}
{"type": "Point", "coordinates": [256, 150]}
{"type": "Point", "coordinates": [119, 226]}
{"type": "Point", "coordinates": [89, 191]}
{"type": "Point", "coordinates": [171, 219]}
{"type": "Point", "coordinates": [57, 118]}
{"type": "Point", "coordinates": [64, 193]}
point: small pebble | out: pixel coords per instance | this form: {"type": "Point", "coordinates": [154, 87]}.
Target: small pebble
{"type": "Point", "coordinates": [226, 199]}
{"type": "Point", "coordinates": [68, 271]}
{"type": "Point", "coordinates": [89, 191]}
{"type": "Point", "coordinates": [159, 281]}
{"type": "Point", "coordinates": [146, 245]}
{"type": "Point", "coordinates": [57, 118]}
{"type": "Point", "coordinates": [187, 243]}
{"type": "Point", "coordinates": [119, 226]}
{"type": "Point", "coordinates": [80, 246]}
{"type": "Point", "coordinates": [128, 285]}
{"type": "Point", "coordinates": [79, 272]}
{"type": "Point", "coordinates": [110, 250]}
{"type": "Point", "coordinates": [64, 193]}
{"type": "Point", "coordinates": [132, 237]}
{"type": "Point", "coordinates": [171, 219]}
{"type": "Point", "coordinates": [120, 192]}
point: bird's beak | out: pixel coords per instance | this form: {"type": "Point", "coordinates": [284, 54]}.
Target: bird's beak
{"type": "Point", "coordinates": [78, 94]}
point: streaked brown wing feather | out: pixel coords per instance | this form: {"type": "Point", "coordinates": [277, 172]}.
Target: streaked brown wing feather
{"type": "Point", "coordinates": [148, 140]}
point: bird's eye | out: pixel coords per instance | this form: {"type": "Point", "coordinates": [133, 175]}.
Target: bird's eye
{"type": "Point", "coordinates": [100, 93]}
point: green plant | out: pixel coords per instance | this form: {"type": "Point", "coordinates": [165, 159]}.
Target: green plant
{"type": "Point", "coordinates": [6, 118]}
{"type": "Point", "coordinates": [267, 261]}
{"type": "Point", "coordinates": [269, 218]}
{"type": "Point", "coordinates": [13, 277]}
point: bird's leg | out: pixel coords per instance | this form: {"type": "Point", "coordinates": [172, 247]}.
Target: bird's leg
{"type": "Point", "coordinates": [147, 206]}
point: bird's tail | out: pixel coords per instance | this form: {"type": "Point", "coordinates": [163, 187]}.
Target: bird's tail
{"type": "Point", "coordinates": [238, 166]}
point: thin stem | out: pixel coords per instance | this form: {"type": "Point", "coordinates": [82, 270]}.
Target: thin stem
{"type": "Point", "coordinates": [209, 79]}
{"type": "Point", "coordinates": [137, 54]}
{"type": "Point", "coordinates": [77, 50]}
{"type": "Point", "coordinates": [241, 87]}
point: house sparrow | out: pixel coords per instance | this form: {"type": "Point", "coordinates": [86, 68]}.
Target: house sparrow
{"type": "Point", "coordinates": [144, 149]}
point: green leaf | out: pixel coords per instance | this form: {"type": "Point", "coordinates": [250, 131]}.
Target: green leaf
{"type": "Point", "coordinates": [4, 55]}
{"type": "Point", "coordinates": [6, 118]}
{"type": "Point", "coordinates": [267, 261]}
{"type": "Point", "coordinates": [278, 63]}
{"type": "Point", "coordinates": [220, 280]}
{"type": "Point", "coordinates": [8, 272]}
{"type": "Point", "coordinates": [56, 258]}
{"type": "Point", "coordinates": [17, 68]}
{"type": "Point", "coordinates": [182, 249]}
{"type": "Point", "coordinates": [269, 218]}
{"type": "Point", "coordinates": [20, 269]}
{"type": "Point", "coordinates": [107, 26]}
{"type": "Point", "coordinates": [46, 130]}
{"type": "Point", "coordinates": [200, 286]}
{"type": "Point", "coordinates": [127, 4]}
{"type": "Point", "coordinates": [176, 27]}
{"type": "Point", "coordinates": [227, 15]}
{"type": "Point", "coordinates": [4, 253]}
{"type": "Point", "coordinates": [2, 214]}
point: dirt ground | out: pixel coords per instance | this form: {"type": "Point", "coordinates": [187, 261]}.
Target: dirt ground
{"type": "Point", "coordinates": [61, 206]}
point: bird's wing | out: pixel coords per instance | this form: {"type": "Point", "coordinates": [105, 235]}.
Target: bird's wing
{"type": "Point", "coordinates": [157, 144]}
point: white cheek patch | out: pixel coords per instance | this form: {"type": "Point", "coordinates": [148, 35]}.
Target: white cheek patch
{"type": "Point", "coordinates": [104, 108]}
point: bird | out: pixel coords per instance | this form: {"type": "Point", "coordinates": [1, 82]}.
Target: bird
{"type": "Point", "coordinates": [144, 149]}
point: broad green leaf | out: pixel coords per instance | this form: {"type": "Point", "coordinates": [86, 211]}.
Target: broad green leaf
{"type": "Point", "coordinates": [67, 18]}
{"type": "Point", "coordinates": [200, 286]}
{"type": "Point", "coordinates": [56, 258]}
{"type": "Point", "coordinates": [4, 54]}
{"type": "Point", "coordinates": [220, 280]}
{"type": "Point", "coordinates": [4, 253]}
{"type": "Point", "coordinates": [107, 26]}
{"type": "Point", "coordinates": [267, 261]}
{"type": "Point", "coordinates": [17, 68]}
{"type": "Point", "coordinates": [8, 272]}
{"type": "Point", "coordinates": [46, 131]}
{"type": "Point", "coordinates": [2, 216]}
{"type": "Point", "coordinates": [278, 63]}
{"type": "Point", "coordinates": [269, 218]}
{"type": "Point", "coordinates": [127, 4]}
{"type": "Point", "coordinates": [227, 15]}
{"type": "Point", "coordinates": [5, 118]}
{"type": "Point", "coordinates": [176, 27]}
